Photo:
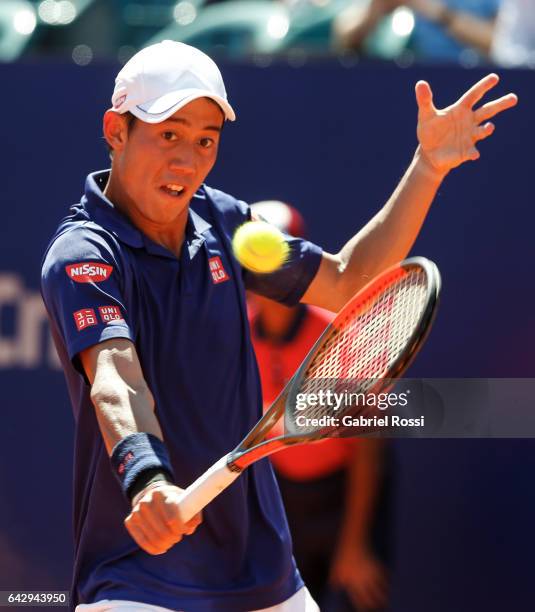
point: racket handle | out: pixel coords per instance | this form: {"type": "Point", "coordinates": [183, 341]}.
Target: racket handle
{"type": "Point", "coordinates": [208, 486]}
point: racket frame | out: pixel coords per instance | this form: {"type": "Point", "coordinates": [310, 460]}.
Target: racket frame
{"type": "Point", "coordinates": [255, 445]}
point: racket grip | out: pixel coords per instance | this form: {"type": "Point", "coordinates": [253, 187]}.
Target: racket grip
{"type": "Point", "coordinates": [208, 486]}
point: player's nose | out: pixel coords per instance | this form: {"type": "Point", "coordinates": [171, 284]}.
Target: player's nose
{"type": "Point", "coordinates": [180, 167]}
{"type": "Point", "coordinates": [182, 162]}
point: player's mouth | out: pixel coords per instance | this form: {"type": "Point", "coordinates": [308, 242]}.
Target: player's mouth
{"type": "Point", "coordinates": [173, 189]}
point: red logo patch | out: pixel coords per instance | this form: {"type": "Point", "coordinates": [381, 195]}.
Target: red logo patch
{"type": "Point", "coordinates": [84, 318]}
{"type": "Point", "coordinates": [89, 272]}
{"type": "Point", "coordinates": [218, 272]}
{"type": "Point", "coordinates": [127, 458]}
{"type": "Point", "coordinates": [110, 313]}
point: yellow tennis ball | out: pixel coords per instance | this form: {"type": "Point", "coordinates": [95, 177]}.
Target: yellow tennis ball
{"type": "Point", "coordinates": [260, 247]}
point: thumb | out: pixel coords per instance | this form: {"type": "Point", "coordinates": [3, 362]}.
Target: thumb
{"type": "Point", "coordinates": [424, 99]}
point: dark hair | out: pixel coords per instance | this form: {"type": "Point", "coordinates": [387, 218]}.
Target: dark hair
{"type": "Point", "coordinates": [130, 120]}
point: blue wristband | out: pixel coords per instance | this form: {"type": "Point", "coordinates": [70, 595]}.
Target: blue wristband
{"type": "Point", "coordinates": [136, 454]}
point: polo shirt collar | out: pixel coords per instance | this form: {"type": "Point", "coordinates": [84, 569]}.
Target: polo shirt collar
{"type": "Point", "coordinates": [195, 230]}
{"type": "Point", "coordinates": [103, 212]}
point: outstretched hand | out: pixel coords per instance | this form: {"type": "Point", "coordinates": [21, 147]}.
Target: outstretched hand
{"type": "Point", "coordinates": [448, 136]}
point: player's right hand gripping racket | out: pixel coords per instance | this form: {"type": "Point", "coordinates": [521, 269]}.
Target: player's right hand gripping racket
{"type": "Point", "coordinates": [371, 341]}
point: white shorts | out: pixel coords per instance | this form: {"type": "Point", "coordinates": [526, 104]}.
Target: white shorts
{"type": "Point", "coordinates": [299, 602]}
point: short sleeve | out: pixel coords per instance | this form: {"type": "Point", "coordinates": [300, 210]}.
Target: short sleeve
{"type": "Point", "coordinates": [288, 284]}
{"type": "Point", "coordinates": [82, 283]}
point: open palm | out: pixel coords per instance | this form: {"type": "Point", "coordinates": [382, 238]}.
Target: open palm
{"type": "Point", "coordinates": [448, 136]}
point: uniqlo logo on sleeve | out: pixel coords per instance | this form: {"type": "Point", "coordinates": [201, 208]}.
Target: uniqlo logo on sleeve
{"type": "Point", "coordinates": [219, 274]}
{"type": "Point", "coordinates": [84, 318]}
{"type": "Point", "coordinates": [110, 313]}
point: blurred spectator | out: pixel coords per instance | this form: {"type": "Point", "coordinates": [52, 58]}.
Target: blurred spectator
{"type": "Point", "coordinates": [514, 38]}
{"type": "Point", "coordinates": [443, 29]}
{"type": "Point", "coordinates": [105, 28]}
{"type": "Point", "coordinates": [330, 491]}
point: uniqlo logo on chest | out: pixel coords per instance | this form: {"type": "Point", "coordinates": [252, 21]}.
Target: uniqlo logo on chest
{"type": "Point", "coordinates": [110, 313]}
{"type": "Point", "coordinates": [84, 318]}
{"type": "Point", "coordinates": [219, 274]}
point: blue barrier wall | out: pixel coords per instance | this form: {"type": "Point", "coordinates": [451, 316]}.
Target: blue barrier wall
{"type": "Point", "coordinates": [334, 141]}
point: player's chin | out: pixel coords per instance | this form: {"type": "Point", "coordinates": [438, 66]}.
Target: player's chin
{"type": "Point", "coordinates": [164, 208]}
{"type": "Point", "coordinates": [170, 206]}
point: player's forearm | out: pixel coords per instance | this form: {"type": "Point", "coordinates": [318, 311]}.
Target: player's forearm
{"type": "Point", "coordinates": [388, 237]}
{"type": "Point", "coordinates": [123, 410]}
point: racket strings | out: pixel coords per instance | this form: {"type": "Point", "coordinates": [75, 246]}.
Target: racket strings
{"type": "Point", "coordinates": [366, 342]}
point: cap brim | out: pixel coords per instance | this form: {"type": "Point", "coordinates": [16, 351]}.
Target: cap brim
{"type": "Point", "coordinates": [156, 111]}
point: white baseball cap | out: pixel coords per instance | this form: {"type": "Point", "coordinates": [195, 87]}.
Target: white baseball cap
{"type": "Point", "coordinates": [161, 79]}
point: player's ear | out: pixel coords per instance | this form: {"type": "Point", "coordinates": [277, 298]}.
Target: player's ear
{"type": "Point", "coordinates": [115, 128]}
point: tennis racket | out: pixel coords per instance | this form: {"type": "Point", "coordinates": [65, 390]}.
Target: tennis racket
{"type": "Point", "coordinates": [370, 343]}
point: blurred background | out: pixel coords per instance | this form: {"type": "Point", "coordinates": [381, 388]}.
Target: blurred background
{"type": "Point", "coordinates": [466, 32]}
{"type": "Point", "coordinates": [324, 93]}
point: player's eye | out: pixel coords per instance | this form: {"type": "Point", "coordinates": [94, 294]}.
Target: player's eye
{"type": "Point", "coordinates": [169, 136]}
{"type": "Point", "coordinates": [206, 143]}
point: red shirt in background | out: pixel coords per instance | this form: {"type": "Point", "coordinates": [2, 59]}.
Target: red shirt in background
{"type": "Point", "coordinates": [277, 363]}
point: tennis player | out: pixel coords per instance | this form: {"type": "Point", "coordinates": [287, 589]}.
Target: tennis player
{"type": "Point", "coordinates": [147, 308]}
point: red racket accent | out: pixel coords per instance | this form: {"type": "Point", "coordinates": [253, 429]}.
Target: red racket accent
{"type": "Point", "coordinates": [369, 335]}
{"type": "Point", "coordinates": [372, 340]}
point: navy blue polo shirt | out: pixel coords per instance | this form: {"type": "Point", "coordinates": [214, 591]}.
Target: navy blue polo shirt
{"type": "Point", "coordinates": [102, 278]}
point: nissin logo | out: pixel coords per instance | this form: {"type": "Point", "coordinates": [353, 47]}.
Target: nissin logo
{"type": "Point", "coordinates": [89, 272]}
